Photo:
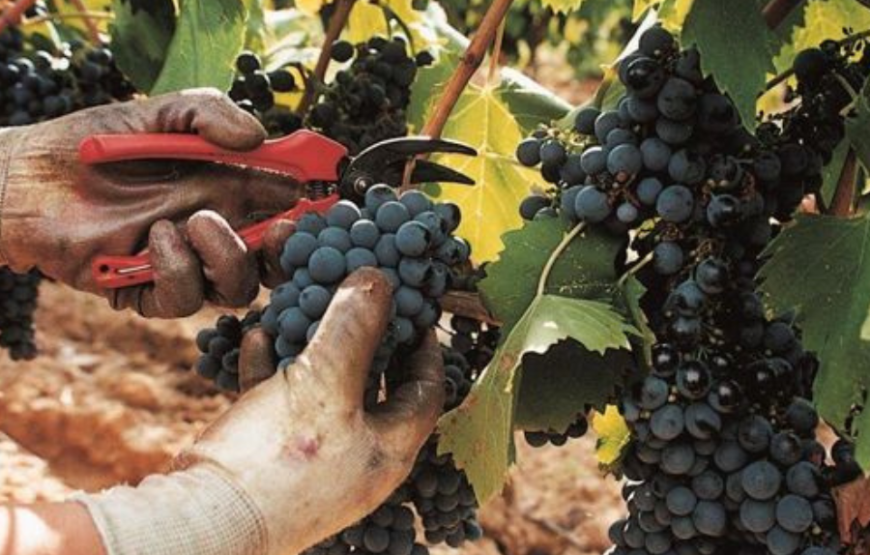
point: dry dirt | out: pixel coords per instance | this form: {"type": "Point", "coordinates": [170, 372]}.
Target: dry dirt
{"type": "Point", "coordinates": [112, 398]}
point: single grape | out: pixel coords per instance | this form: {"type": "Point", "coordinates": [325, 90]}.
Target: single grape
{"type": "Point", "coordinates": [529, 152]}
{"type": "Point", "coordinates": [803, 479]}
{"type": "Point", "coordinates": [359, 257]}
{"type": "Point", "coordinates": [341, 51]}
{"type": "Point", "coordinates": [668, 258]}
{"type": "Point", "coordinates": [627, 213]}
{"type": "Point", "coordinates": [794, 513]}
{"type": "Point", "coordinates": [681, 501]}
{"type": "Point", "coordinates": [656, 154]}
{"type": "Point", "coordinates": [708, 485]}
{"type": "Point", "coordinates": [391, 215]}
{"type": "Point", "coordinates": [327, 265]}
{"type": "Point", "coordinates": [656, 42]}
{"type": "Point", "coordinates": [364, 234]}
{"type": "Point", "coordinates": [624, 161]}
{"type": "Point", "coordinates": [672, 132]}
{"type": "Point", "coordinates": [710, 518]}
{"type": "Point", "coordinates": [693, 380]}
{"type": "Point", "coordinates": [758, 516]}
{"type": "Point", "coordinates": [675, 204]}
{"type": "Point", "coordinates": [553, 152]}
{"type": "Point", "coordinates": [687, 167]}
{"type": "Point", "coordinates": [702, 422]}
{"type": "Point", "coordinates": [591, 205]}
{"type": "Point", "coordinates": [533, 204]}
{"type": "Point", "coordinates": [653, 393]}
{"type": "Point", "coordinates": [594, 160]}
{"type": "Point", "coordinates": [335, 237]}
{"type": "Point", "coordinates": [723, 210]}
{"type": "Point", "coordinates": [584, 122]}
{"type": "Point", "coordinates": [413, 238]}
{"type": "Point", "coordinates": [293, 324]}
{"type": "Point", "coordinates": [782, 542]}
{"type": "Point", "coordinates": [416, 202]}
{"type": "Point", "coordinates": [761, 480]}
{"type": "Point", "coordinates": [711, 275]}
{"type": "Point", "coordinates": [313, 301]}
{"type": "Point", "coordinates": [604, 124]}
{"type": "Point", "coordinates": [667, 422]}
{"type": "Point", "coordinates": [677, 459]}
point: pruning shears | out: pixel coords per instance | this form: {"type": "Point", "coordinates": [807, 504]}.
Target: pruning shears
{"type": "Point", "coordinates": [304, 157]}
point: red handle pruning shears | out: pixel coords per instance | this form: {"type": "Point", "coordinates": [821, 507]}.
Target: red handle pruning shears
{"type": "Point", "coordinates": [303, 156]}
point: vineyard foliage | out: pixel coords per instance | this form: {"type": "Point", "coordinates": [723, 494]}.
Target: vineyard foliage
{"type": "Point", "coordinates": [572, 326]}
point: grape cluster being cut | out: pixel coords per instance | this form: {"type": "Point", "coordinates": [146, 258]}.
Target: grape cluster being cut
{"type": "Point", "coordinates": [366, 101]}
{"type": "Point", "coordinates": [723, 455]}
{"type": "Point", "coordinates": [220, 347]}
{"type": "Point", "coordinates": [254, 91]}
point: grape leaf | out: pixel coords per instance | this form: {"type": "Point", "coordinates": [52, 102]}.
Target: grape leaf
{"type": "Point", "coordinates": [555, 384]}
{"type": "Point", "coordinates": [369, 18]}
{"type": "Point", "coordinates": [673, 13]}
{"type": "Point", "coordinates": [586, 268]}
{"type": "Point", "coordinates": [736, 47]}
{"type": "Point", "coordinates": [255, 31]}
{"type": "Point", "coordinates": [479, 433]}
{"type": "Point", "coordinates": [562, 6]}
{"type": "Point", "coordinates": [832, 299]}
{"type": "Point", "coordinates": [209, 36]}
{"type": "Point", "coordinates": [529, 102]}
{"type": "Point", "coordinates": [483, 120]}
{"type": "Point", "coordinates": [141, 40]}
{"type": "Point", "coordinates": [857, 126]}
{"type": "Point", "coordinates": [640, 7]}
{"type": "Point", "coordinates": [613, 437]}
{"type": "Point", "coordinates": [832, 170]}
{"type": "Point", "coordinates": [632, 291]}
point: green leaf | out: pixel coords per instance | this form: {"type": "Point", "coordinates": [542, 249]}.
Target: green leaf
{"type": "Point", "coordinates": [479, 433]}
{"type": "Point", "coordinates": [140, 41]}
{"type": "Point", "coordinates": [562, 6]}
{"type": "Point", "coordinates": [613, 437]}
{"type": "Point", "coordinates": [632, 291]}
{"type": "Point", "coordinates": [529, 102]}
{"type": "Point", "coordinates": [673, 13]}
{"type": "Point", "coordinates": [820, 266]}
{"type": "Point", "coordinates": [586, 268]}
{"type": "Point", "coordinates": [736, 48]}
{"type": "Point", "coordinates": [209, 37]}
{"type": "Point", "coordinates": [255, 31]}
{"type": "Point", "coordinates": [555, 386]}
{"type": "Point", "coordinates": [858, 126]}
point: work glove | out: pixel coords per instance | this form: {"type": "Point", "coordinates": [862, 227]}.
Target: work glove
{"type": "Point", "coordinates": [57, 214]}
{"type": "Point", "coordinates": [297, 459]}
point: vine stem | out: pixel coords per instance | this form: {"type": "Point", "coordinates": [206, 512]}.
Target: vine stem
{"type": "Point", "coordinates": [560, 248]}
{"type": "Point", "coordinates": [468, 65]}
{"type": "Point", "coordinates": [333, 31]}
{"type": "Point", "coordinates": [843, 203]}
{"type": "Point", "coordinates": [775, 11]}
{"type": "Point", "coordinates": [93, 29]}
{"type": "Point", "coordinates": [12, 13]}
{"type": "Point", "coordinates": [65, 16]}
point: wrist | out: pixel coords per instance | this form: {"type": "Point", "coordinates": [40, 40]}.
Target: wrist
{"type": "Point", "coordinates": [198, 511]}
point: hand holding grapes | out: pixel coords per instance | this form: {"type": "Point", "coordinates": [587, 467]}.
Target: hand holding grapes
{"type": "Point", "coordinates": [57, 214]}
{"type": "Point", "coordinates": [297, 458]}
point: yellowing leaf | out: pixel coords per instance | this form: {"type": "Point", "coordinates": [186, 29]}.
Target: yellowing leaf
{"type": "Point", "coordinates": [612, 434]}
{"type": "Point", "coordinates": [367, 19]}
{"type": "Point", "coordinates": [310, 7]}
{"type": "Point", "coordinates": [562, 6]}
{"type": "Point", "coordinates": [673, 13]}
{"type": "Point", "coordinates": [490, 207]}
{"type": "Point", "coordinates": [640, 8]}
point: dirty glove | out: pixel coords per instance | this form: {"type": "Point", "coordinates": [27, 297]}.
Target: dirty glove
{"type": "Point", "coordinates": [297, 459]}
{"type": "Point", "coordinates": [57, 214]}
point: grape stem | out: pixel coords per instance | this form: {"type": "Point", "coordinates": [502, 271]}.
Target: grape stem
{"type": "Point", "coordinates": [93, 29]}
{"type": "Point", "coordinates": [635, 269]}
{"type": "Point", "coordinates": [12, 13]}
{"type": "Point", "coordinates": [496, 52]}
{"type": "Point", "coordinates": [560, 248]}
{"type": "Point", "coordinates": [333, 31]}
{"type": "Point", "coordinates": [843, 202]}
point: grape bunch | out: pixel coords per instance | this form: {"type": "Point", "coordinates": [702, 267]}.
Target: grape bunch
{"type": "Point", "coordinates": [366, 101]}
{"type": "Point", "coordinates": [18, 298]}
{"type": "Point", "coordinates": [37, 86]}
{"type": "Point", "coordinates": [220, 347]}
{"type": "Point", "coordinates": [723, 456]}
{"type": "Point", "coordinates": [254, 91]}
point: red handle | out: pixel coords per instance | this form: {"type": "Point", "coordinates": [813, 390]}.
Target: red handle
{"type": "Point", "coordinates": [304, 155]}
{"type": "Point", "coordinates": [113, 272]}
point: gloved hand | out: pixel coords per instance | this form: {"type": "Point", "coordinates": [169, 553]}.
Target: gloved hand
{"type": "Point", "coordinates": [297, 458]}
{"type": "Point", "coordinates": [57, 214]}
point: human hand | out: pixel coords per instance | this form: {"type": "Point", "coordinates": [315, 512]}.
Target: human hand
{"type": "Point", "coordinates": [58, 214]}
